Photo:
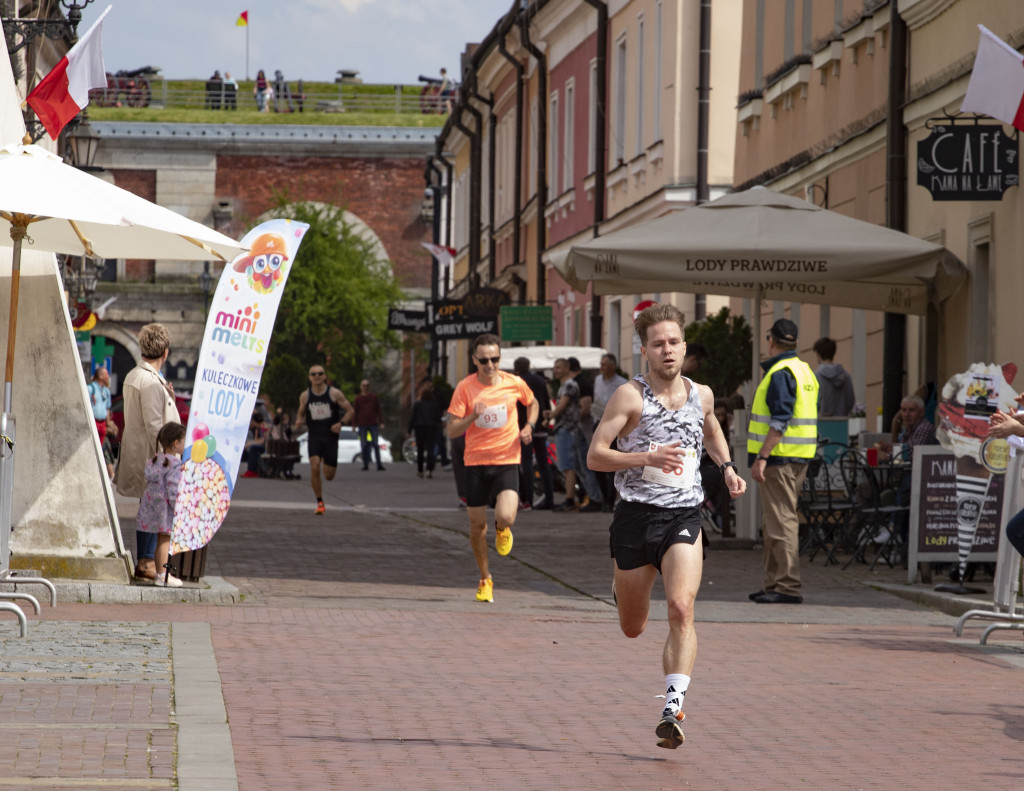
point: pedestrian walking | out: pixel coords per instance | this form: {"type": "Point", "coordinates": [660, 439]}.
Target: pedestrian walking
{"type": "Point", "coordinates": [423, 423]}
{"type": "Point", "coordinates": [483, 408]}
{"type": "Point", "coordinates": [660, 421]}
{"type": "Point", "coordinates": [782, 438]}
{"type": "Point", "coordinates": [148, 406]}
{"type": "Point", "coordinates": [320, 408]}
{"type": "Point", "coordinates": [99, 397]}
{"type": "Point", "coordinates": [538, 448]}
{"type": "Point", "coordinates": [370, 420]}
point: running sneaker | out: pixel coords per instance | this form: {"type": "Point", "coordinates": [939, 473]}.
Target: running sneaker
{"type": "Point", "coordinates": [320, 509]}
{"type": "Point", "coordinates": [670, 731]}
{"type": "Point", "coordinates": [485, 591]}
{"type": "Point", "coordinates": [503, 541]}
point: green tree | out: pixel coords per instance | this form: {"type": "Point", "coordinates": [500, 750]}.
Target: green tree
{"type": "Point", "coordinates": [729, 341]}
{"type": "Point", "coordinates": [335, 307]}
{"type": "Point", "coordinates": [283, 379]}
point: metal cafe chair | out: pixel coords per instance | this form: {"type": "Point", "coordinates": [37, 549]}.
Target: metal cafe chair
{"type": "Point", "coordinates": [876, 510]}
{"type": "Point", "coordinates": [825, 507]}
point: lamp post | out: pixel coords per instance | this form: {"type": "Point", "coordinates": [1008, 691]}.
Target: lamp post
{"type": "Point", "coordinates": [82, 143]}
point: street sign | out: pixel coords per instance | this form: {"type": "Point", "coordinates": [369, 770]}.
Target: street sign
{"type": "Point", "coordinates": [407, 320]}
{"type": "Point", "coordinates": [526, 323]}
{"type": "Point", "coordinates": [967, 162]}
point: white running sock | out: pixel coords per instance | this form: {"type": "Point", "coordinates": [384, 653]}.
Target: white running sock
{"type": "Point", "coordinates": [676, 685]}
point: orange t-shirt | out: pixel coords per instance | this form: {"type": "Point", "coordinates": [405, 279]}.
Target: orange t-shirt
{"type": "Point", "coordinates": [493, 438]}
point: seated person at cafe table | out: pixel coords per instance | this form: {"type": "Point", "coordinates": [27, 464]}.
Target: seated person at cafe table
{"type": "Point", "coordinates": [911, 428]}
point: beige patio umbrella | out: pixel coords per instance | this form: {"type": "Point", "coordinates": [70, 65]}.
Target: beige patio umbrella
{"type": "Point", "coordinates": [763, 242]}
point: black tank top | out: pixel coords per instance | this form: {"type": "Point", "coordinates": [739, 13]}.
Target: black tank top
{"type": "Point", "coordinates": [321, 412]}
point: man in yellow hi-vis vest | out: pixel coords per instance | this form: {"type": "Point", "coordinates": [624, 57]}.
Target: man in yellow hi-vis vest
{"type": "Point", "coordinates": [781, 441]}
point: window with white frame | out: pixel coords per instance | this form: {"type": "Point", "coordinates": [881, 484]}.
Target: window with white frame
{"type": "Point", "coordinates": [461, 199]}
{"type": "Point", "coordinates": [553, 141]}
{"type": "Point", "coordinates": [534, 151]}
{"type": "Point", "coordinates": [619, 143]}
{"type": "Point", "coordinates": [592, 100]}
{"type": "Point", "coordinates": [568, 135]}
{"type": "Point", "coordinates": [658, 135]}
{"type": "Point", "coordinates": [639, 147]}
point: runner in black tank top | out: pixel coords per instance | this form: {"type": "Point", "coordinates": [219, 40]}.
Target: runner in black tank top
{"type": "Point", "coordinates": [322, 413]}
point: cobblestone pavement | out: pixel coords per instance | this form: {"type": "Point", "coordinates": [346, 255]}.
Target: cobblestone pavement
{"type": "Point", "coordinates": [358, 658]}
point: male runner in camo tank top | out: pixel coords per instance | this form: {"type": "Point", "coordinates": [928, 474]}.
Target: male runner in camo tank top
{"type": "Point", "coordinates": [659, 422]}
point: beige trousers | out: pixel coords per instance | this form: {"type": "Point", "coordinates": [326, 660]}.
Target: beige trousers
{"type": "Point", "coordinates": [781, 526]}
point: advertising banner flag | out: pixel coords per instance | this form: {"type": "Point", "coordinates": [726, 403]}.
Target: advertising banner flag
{"type": "Point", "coordinates": [228, 375]}
{"type": "Point", "coordinates": [968, 401]}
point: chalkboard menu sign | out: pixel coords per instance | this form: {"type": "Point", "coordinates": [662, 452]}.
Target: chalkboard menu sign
{"type": "Point", "coordinates": [933, 512]}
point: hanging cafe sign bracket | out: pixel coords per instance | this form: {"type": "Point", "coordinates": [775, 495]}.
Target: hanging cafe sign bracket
{"type": "Point", "coordinates": [967, 158]}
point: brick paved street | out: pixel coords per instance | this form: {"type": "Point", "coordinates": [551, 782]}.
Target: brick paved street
{"type": "Point", "coordinates": [359, 659]}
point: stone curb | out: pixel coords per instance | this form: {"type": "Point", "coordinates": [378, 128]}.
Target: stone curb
{"type": "Point", "coordinates": [948, 603]}
{"type": "Point", "coordinates": [212, 590]}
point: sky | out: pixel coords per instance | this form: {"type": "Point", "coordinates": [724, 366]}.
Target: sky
{"type": "Point", "coordinates": [387, 41]}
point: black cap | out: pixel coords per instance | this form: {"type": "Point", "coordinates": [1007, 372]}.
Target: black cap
{"type": "Point", "coordinates": [784, 330]}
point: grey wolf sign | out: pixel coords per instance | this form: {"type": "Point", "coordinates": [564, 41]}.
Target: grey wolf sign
{"type": "Point", "coordinates": [967, 162]}
{"type": "Point", "coordinates": [473, 315]}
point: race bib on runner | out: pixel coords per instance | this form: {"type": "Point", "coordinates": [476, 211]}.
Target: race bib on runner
{"type": "Point", "coordinates": [682, 477]}
{"type": "Point", "coordinates": [493, 417]}
{"type": "Point", "coordinates": [318, 410]}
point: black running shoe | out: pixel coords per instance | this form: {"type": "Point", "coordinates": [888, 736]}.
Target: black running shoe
{"type": "Point", "coordinates": [670, 731]}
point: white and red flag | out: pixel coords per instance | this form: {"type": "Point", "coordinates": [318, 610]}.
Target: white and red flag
{"type": "Point", "coordinates": [444, 255]}
{"type": "Point", "coordinates": [64, 92]}
{"type": "Point", "coordinates": [997, 81]}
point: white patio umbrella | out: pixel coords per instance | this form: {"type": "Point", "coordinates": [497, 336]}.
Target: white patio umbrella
{"type": "Point", "coordinates": [58, 208]}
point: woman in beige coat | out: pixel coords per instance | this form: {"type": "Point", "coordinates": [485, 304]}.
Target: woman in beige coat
{"type": "Point", "coordinates": [148, 405]}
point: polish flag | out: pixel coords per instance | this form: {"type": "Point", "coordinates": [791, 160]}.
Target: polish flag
{"type": "Point", "coordinates": [997, 81]}
{"type": "Point", "coordinates": [64, 92]}
{"type": "Point", "coordinates": [444, 255]}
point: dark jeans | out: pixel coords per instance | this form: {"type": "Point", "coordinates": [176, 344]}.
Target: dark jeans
{"type": "Point", "coordinates": [425, 446]}
{"type": "Point", "coordinates": [368, 440]}
{"type": "Point", "coordinates": [252, 458]}
{"type": "Point", "coordinates": [441, 441]}
{"type": "Point", "coordinates": [538, 450]}
{"type": "Point", "coordinates": [145, 545]}
{"type": "Point", "coordinates": [1015, 532]}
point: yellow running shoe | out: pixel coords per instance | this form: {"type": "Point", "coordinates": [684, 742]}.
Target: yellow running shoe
{"type": "Point", "coordinates": [485, 591]}
{"type": "Point", "coordinates": [503, 541]}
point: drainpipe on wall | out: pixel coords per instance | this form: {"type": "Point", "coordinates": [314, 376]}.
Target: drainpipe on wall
{"type": "Point", "coordinates": [491, 161]}
{"type": "Point", "coordinates": [895, 207]}
{"type": "Point", "coordinates": [436, 187]}
{"type": "Point", "coordinates": [517, 189]}
{"type": "Point", "coordinates": [542, 151]}
{"type": "Point", "coordinates": [600, 141]}
{"type": "Point", "coordinates": [703, 124]}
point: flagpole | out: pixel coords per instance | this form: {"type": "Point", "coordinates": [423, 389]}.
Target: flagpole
{"type": "Point", "coordinates": [247, 50]}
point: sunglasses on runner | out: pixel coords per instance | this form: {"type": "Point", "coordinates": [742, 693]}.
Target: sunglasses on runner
{"type": "Point", "coordinates": [492, 360]}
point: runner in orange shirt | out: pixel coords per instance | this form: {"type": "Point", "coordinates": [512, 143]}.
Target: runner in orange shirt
{"type": "Point", "coordinates": [483, 408]}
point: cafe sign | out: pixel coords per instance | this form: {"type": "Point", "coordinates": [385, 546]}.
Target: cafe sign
{"type": "Point", "coordinates": [474, 314]}
{"type": "Point", "coordinates": [967, 162]}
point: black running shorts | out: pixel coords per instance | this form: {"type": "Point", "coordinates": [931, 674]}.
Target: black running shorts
{"type": "Point", "coordinates": [325, 446]}
{"type": "Point", "coordinates": [485, 481]}
{"type": "Point", "coordinates": [641, 534]}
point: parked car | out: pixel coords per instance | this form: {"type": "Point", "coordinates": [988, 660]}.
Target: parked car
{"type": "Point", "coordinates": [349, 449]}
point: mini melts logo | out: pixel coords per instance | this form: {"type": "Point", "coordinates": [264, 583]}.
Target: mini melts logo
{"type": "Point", "coordinates": [238, 328]}
{"type": "Point", "coordinates": [266, 263]}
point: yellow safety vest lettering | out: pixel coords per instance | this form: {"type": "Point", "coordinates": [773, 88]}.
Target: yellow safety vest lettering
{"type": "Point", "coordinates": [800, 440]}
